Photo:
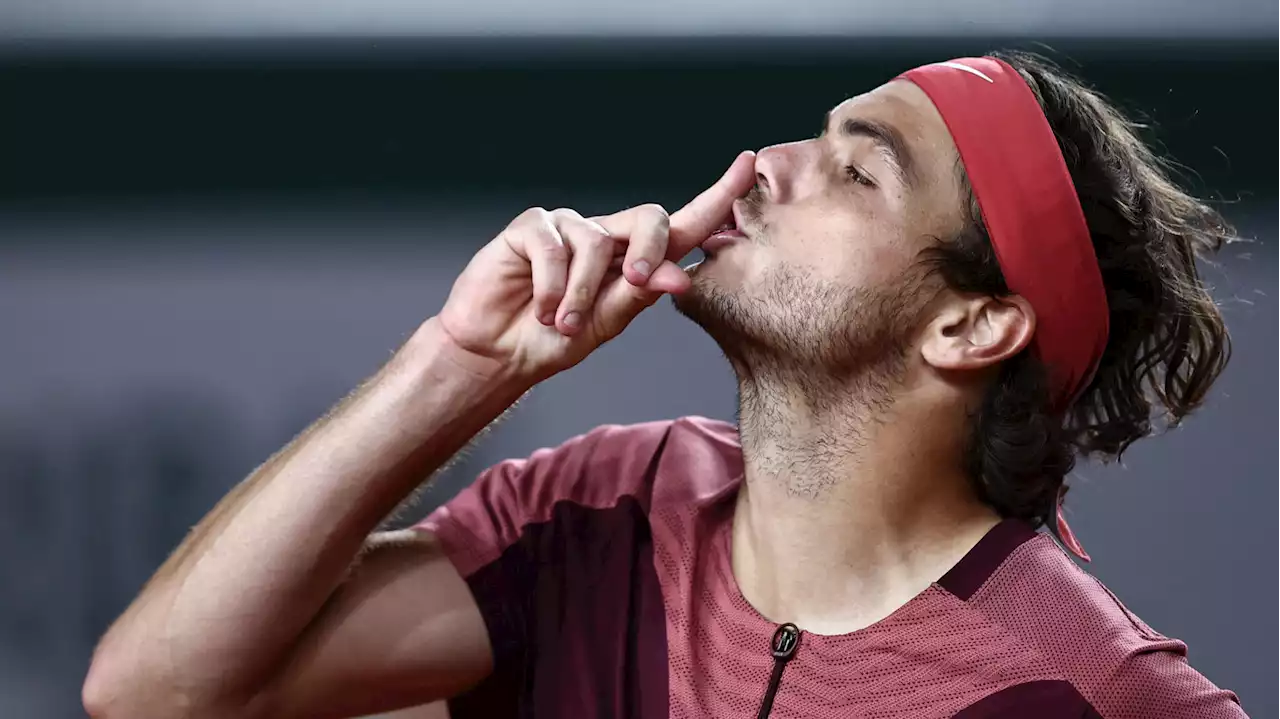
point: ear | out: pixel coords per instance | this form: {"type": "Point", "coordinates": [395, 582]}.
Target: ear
{"type": "Point", "coordinates": [972, 333]}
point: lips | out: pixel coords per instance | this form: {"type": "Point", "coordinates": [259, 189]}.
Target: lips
{"type": "Point", "coordinates": [721, 240]}
{"type": "Point", "coordinates": [728, 233]}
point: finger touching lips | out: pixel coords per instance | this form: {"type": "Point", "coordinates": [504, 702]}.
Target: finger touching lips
{"type": "Point", "coordinates": [695, 222]}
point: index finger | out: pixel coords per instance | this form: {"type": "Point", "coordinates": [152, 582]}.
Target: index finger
{"type": "Point", "coordinates": [694, 223]}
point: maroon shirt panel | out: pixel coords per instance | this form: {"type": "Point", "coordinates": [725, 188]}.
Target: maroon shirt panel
{"type": "Point", "coordinates": [979, 563]}
{"type": "Point", "coordinates": [576, 609]}
{"type": "Point", "coordinates": [603, 570]}
{"type": "Point", "coordinates": [1041, 699]}
{"type": "Point", "coordinates": [1123, 667]}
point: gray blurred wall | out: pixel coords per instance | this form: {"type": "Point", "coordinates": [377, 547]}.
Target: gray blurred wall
{"type": "Point", "coordinates": [198, 255]}
{"type": "Point", "coordinates": [143, 383]}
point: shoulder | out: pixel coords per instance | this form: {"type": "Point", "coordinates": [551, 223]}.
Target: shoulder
{"type": "Point", "coordinates": [640, 465]}
{"type": "Point", "coordinates": [672, 459]}
{"type": "Point", "coordinates": [1121, 665]}
{"type": "Point", "coordinates": [1037, 591]}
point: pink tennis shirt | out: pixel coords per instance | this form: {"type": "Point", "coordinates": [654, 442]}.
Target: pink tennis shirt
{"type": "Point", "coordinates": [602, 570]}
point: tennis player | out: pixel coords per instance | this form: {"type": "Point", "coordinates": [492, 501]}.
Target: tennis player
{"type": "Point", "coordinates": [973, 275]}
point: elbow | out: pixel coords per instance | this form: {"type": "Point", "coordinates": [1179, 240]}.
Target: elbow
{"type": "Point", "coordinates": [91, 698]}
{"type": "Point", "coordinates": [113, 689]}
{"type": "Point", "coordinates": [116, 688]}
{"type": "Point", "coordinates": [97, 695]}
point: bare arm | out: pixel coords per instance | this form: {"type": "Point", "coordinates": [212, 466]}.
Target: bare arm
{"type": "Point", "coordinates": [246, 618]}
{"type": "Point", "coordinates": [264, 611]}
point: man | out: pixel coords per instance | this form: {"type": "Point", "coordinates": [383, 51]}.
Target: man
{"type": "Point", "coordinates": [976, 272]}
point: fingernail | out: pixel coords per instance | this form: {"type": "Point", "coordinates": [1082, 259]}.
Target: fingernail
{"type": "Point", "coordinates": [573, 319]}
{"type": "Point", "coordinates": [642, 266]}
{"type": "Point", "coordinates": [548, 318]}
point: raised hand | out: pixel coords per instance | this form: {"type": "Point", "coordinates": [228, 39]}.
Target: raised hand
{"type": "Point", "coordinates": [554, 285]}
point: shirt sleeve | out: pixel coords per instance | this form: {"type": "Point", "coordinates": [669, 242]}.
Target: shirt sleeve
{"type": "Point", "coordinates": [592, 470]}
{"type": "Point", "coordinates": [1158, 682]}
{"type": "Point", "coordinates": [500, 535]}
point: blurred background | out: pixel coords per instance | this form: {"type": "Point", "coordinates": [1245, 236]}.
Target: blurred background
{"type": "Point", "coordinates": [216, 218]}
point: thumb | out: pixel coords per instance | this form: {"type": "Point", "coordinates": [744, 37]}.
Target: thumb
{"type": "Point", "coordinates": [694, 223]}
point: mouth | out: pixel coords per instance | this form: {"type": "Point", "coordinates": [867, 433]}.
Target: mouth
{"type": "Point", "coordinates": [728, 232]}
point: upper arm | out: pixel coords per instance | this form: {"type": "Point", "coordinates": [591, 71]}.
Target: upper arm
{"type": "Point", "coordinates": [402, 630]}
{"type": "Point", "coordinates": [405, 629]}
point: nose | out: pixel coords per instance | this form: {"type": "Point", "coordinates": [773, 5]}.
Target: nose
{"type": "Point", "coordinates": [779, 170]}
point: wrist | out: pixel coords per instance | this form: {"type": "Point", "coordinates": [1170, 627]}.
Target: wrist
{"type": "Point", "coordinates": [431, 351]}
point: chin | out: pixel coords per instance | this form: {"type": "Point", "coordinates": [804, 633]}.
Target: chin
{"type": "Point", "coordinates": [713, 307]}
{"type": "Point", "coordinates": [693, 302]}
{"type": "Point", "coordinates": [709, 280]}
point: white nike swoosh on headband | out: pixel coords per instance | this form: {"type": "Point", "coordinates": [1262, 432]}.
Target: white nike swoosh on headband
{"type": "Point", "coordinates": [966, 68]}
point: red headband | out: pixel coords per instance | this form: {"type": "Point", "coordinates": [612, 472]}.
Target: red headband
{"type": "Point", "coordinates": [1032, 214]}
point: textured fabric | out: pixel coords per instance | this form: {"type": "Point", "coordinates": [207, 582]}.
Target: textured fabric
{"type": "Point", "coordinates": [1122, 666]}
{"type": "Point", "coordinates": [603, 571]}
{"type": "Point", "coordinates": [591, 619]}
{"type": "Point", "coordinates": [1042, 699]}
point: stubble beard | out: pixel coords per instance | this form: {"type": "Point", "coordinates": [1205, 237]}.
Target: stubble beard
{"type": "Point", "coordinates": [808, 350]}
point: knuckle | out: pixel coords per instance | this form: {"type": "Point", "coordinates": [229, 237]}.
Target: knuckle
{"type": "Point", "coordinates": [655, 213]}
{"type": "Point", "coordinates": [566, 213]}
{"type": "Point", "coordinates": [599, 229]}
{"type": "Point", "coordinates": [598, 243]}
{"type": "Point", "coordinates": [533, 222]}
{"type": "Point", "coordinates": [532, 215]}
{"type": "Point", "coordinates": [653, 208]}
{"type": "Point", "coordinates": [544, 236]}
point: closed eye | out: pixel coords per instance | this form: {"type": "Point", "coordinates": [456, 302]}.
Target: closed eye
{"type": "Point", "coordinates": [859, 176]}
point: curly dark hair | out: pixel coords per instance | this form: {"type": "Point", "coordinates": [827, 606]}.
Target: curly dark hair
{"type": "Point", "coordinates": [1168, 343]}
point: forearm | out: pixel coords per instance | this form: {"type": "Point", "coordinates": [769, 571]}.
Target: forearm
{"type": "Point", "coordinates": [228, 606]}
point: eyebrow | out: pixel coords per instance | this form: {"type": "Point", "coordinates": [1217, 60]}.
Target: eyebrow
{"type": "Point", "coordinates": [886, 138]}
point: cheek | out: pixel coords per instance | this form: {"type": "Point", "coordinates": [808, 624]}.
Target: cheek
{"type": "Point", "coordinates": [854, 244]}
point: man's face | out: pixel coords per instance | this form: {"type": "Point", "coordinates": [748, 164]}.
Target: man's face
{"type": "Point", "coordinates": [825, 275]}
